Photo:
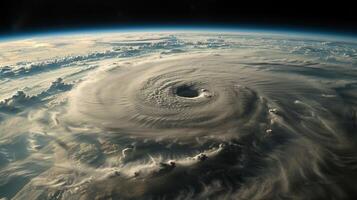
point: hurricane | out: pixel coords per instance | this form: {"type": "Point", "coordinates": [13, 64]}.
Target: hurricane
{"type": "Point", "coordinates": [182, 116]}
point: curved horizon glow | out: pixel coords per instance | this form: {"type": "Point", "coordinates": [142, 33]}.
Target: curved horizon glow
{"type": "Point", "coordinates": [228, 28]}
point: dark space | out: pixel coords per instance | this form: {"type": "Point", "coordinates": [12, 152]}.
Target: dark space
{"type": "Point", "coordinates": [20, 15]}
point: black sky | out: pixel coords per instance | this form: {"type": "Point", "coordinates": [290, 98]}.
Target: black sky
{"type": "Point", "coordinates": [21, 15]}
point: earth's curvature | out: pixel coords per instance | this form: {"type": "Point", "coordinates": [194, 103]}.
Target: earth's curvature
{"type": "Point", "coordinates": [178, 115]}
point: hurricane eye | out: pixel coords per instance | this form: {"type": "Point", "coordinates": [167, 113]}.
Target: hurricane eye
{"type": "Point", "coordinates": [187, 91]}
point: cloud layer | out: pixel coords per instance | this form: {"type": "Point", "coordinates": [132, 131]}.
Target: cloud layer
{"type": "Point", "coordinates": [180, 116]}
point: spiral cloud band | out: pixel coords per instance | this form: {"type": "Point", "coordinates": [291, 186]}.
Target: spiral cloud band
{"type": "Point", "coordinates": [194, 94]}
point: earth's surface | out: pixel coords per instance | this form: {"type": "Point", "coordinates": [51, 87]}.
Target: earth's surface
{"type": "Point", "coordinates": [178, 115]}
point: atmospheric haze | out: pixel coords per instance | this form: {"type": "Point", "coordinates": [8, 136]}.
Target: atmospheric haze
{"type": "Point", "coordinates": [178, 115]}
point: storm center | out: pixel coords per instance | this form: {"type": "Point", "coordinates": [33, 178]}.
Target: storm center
{"type": "Point", "coordinates": [187, 91]}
